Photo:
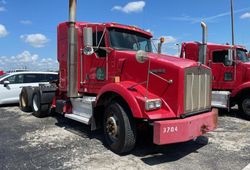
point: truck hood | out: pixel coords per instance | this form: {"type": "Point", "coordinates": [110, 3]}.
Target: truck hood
{"type": "Point", "coordinates": [166, 69]}
{"type": "Point", "coordinates": [173, 60]}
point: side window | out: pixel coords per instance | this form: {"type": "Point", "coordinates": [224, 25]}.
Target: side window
{"type": "Point", "coordinates": [220, 57]}
{"type": "Point", "coordinates": [42, 78]}
{"type": "Point", "coordinates": [19, 78]}
{"type": "Point", "coordinates": [16, 79]}
{"type": "Point", "coordinates": [11, 79]}
{"type": "Point", "coordinates": [31, 78]}
{"type": "Point", "coordinates": [51, 77]}
{"type": "Point", "coordinates": [96, 40]}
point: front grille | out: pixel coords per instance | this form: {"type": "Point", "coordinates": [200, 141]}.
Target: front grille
{"type": "Point", "coordinates": [197, 90]}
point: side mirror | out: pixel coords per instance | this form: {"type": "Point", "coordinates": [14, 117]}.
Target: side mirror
{"type": "Point", "coordinates": [88, 41]}
{"type": "Point", "coordinates": [6, 83]}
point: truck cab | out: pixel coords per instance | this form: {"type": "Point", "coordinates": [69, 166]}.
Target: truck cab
{"type": "Point", "coordinates": [230, 72]}
{"type": "Point", "coordinates": [117, 70]}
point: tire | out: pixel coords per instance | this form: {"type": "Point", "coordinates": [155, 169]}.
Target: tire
{"type": "Point", "coordinates": [25, 99]}
{"type": "Point", "coordinates": [119, 128]}
{"type": "Point", "coordinates": [244, 107]}
{"type": "Point", "coordinates": [39, 110]}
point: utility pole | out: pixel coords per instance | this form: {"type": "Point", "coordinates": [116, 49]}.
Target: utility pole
{"type": "Point", "coordinates": [232, 20]}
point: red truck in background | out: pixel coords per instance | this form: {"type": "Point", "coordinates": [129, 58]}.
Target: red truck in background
{"type": "Point", "coordinates": [1, 72]}
{"type": "Point", "coordinates": [109, 78]}
{"type": "Point", "coordinates": [231, 73]}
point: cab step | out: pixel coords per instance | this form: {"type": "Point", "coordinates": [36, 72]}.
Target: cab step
{"type": "Point", "coordinates": [82, 109]}
{"type": "Point", "coordinates": [78, 118]}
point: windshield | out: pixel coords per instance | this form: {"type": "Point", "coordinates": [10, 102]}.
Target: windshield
{"type": "Point", "coordinates": [242, 55]}
{"type": "Point", "coordinates": [122, 39]}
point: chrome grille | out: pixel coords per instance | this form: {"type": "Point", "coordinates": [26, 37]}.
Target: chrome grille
{"type": "Point", "coordinates": [197, 90]}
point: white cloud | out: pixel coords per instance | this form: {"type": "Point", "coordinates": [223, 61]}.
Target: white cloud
{"type": "Point", "coordinates": [25, 22]}
{"type": "Point", "coordinates": [27, 60]}
{"type": "Point", "coordinates": [136, 6]}
{"type": "Point", "coordinates": [245, 15]}
{"type": "Point", "coordinates": [35, 40]}
{"type": "Point", "coordinates": [3, 31]}
{"type": "Point", "coordinates": [209, 19]}
{"type": "Point", "coordinates": [170, 39]}
{"type": "Point", "coordinates": [149, 30]}
{"type": "Point", "coordinates": [2, 9]}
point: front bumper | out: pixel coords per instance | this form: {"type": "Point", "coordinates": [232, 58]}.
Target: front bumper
{"type": "Point", "coordinates": [181, 130]}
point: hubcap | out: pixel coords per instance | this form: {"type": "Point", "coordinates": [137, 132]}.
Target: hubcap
{"type": "Point", "coordinates": [246, 106]}
{"type": "Point", "coordinates": [112, 128]}
{"type": "Point", "coordinates": [35, 106]}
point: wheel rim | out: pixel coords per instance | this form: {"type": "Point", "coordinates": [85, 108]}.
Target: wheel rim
{"type": "Point", "coordinates": [246, 106]}
{"type": "Point", "coordinates": [23, 101]}
{"type": "Point", "coordinates": [112, 128]}
{"type": "Point", "coordinates": [35, 101]}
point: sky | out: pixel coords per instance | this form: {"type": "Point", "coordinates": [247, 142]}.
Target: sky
{"type": "Point", "coordinates": [28, 27]}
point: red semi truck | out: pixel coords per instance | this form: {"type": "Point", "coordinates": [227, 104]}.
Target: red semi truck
{"type": "Point", "coordinates": [109, 78]}
{"type": "Point", "coordinates": [1, 72]}
{"type": "Point", "coordinates": [231, 73]}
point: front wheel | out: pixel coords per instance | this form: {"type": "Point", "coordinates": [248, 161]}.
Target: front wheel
{"type": "Point", "coordinates": [244, 107]}
{"type": "Point", "coordinates": [119, 128]}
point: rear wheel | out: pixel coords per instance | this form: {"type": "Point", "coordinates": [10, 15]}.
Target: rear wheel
{"type": "Point", "coordinates": [244, 107]}
{"type": "Point", "coordinates": [39, 110]}
{"type": "Point", "coordinates": [119, 128]}
{"type": "Point", "coordinates": [25, 98]}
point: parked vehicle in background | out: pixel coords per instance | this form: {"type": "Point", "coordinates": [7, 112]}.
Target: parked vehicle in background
{"type": "Point", "coordinates": [231, 73]}
{"type": "Point", "coordinates": [17, 70]}
{"type": "Point", "coordinates": [11, 84]}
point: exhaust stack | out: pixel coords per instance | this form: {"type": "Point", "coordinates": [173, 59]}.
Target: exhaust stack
{"type": "Point", "coordinates": [72, 51]}
{"type": "Point", "coordinates": [203, 47]}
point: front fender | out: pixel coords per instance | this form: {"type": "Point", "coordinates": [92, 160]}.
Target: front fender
{"type": "Point", "coordinates": [135, 98]}
{"type": "Point", "coordinates": [122, 90]}
{"type": "Point", "coordinates": [240, 88]}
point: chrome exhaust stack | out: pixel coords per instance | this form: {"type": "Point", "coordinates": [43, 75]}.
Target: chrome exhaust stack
{"type": "Point", "coordinates": [203, 46]}
{"type": "Point", "coordinates": [72, 51]}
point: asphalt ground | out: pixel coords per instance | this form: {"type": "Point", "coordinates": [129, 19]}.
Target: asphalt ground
{"type": "Point", "coordinates": [55, 142]}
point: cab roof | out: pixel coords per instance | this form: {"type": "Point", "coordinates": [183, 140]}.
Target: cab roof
{"type": "Point", "coordinates": [214, 45]}
{"type": "Point", "coordinates": [113, 25]}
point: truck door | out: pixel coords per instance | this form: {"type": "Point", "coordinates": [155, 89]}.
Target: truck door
{"type": "Point", "coordinates": [95, 65]}
{"type": "Point", "coordinates": [223, 70]}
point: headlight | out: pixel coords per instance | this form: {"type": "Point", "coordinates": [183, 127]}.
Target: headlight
{"type": "Point", "coordinates": [153, 104]}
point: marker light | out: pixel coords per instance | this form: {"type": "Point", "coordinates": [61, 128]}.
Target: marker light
{"type": "Point", "coordinates": [162, 40]}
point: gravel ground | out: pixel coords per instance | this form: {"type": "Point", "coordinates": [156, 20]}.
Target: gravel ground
{"type": "Point", "coordinates": [55, 142]}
